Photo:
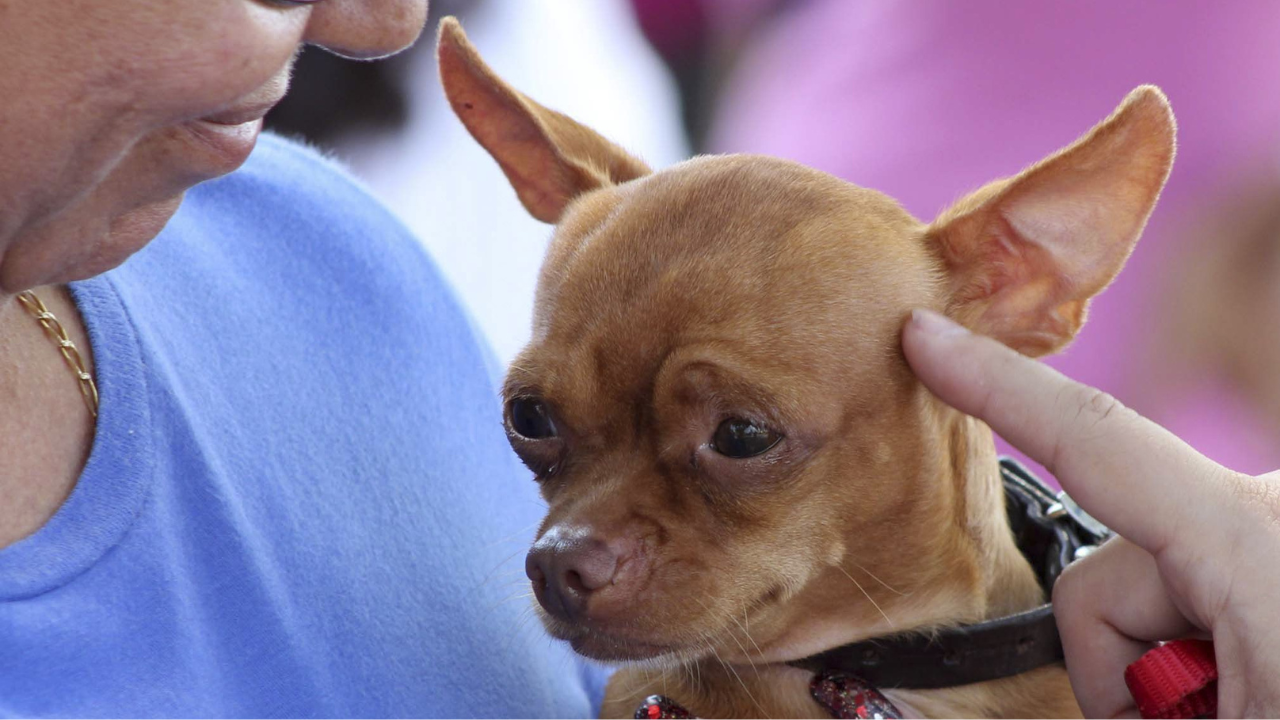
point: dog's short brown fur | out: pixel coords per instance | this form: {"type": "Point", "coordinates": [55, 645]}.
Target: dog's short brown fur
{"type": "Point", "coordinates": [750, 287]}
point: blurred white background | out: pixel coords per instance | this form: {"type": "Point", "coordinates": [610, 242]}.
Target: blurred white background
{"type": "Point", "coordinates": [585, 58]}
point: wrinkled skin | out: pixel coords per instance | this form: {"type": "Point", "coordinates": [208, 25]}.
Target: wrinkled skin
{"type": "Point", "coordinates": [111, 110]}
{"type": "Point", "coordinates": [98, 131]}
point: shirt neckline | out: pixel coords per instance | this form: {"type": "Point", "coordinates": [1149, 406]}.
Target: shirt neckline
{"type": "Point", "coordinates": [112, 488]}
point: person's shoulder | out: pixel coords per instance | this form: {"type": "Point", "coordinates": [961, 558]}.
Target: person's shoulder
{"type": "Point", "coordinates": [286, 182]}
{"type": "Point", "coordinates": [281, 162]}
{"type": "Point", "coordinates": [293, 207]}
{"type": "Point", "coordinates": [294, 225]}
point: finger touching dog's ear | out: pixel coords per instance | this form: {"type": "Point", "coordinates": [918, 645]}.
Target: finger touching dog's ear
{"type": "Point", "coordinates": [1025, 255]}
{"type": "Point", "coordinates": [549, 158]}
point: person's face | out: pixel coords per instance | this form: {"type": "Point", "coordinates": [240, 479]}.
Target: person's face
{"type": "Point", "coordinates": [111, 109]}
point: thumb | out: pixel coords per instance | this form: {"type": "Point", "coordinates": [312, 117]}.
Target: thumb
{"type": "Point", "coordinates": [1130, 473]}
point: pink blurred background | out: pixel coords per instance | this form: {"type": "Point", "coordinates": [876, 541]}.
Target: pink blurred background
{"type": "Point", "coordinates": [926, 100]}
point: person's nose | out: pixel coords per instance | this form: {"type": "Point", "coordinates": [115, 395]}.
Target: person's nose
{"type": "Point", "coordinates": [365, 29]}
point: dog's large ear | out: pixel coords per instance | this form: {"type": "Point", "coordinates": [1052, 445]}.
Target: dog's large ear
{"type": "Point", "coordinates": [549, 158]}
{"type": "Point", "coordinates": [1024, 255]}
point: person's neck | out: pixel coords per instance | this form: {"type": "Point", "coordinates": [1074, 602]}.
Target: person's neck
{"type": "Point", "coordinates": [46, 427]}
{"type": "Point", "coordinates": [1010, 585]}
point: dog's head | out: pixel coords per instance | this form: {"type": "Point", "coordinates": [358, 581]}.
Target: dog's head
{"type": "Point", "coordinates": [714, 401]}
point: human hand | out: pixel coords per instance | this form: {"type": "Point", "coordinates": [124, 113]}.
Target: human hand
{"type": "Point", "coordinates": [1199, 546]}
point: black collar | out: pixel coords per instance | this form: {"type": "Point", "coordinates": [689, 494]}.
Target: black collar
{"type": "Point", "coordinates": [1051, 531]}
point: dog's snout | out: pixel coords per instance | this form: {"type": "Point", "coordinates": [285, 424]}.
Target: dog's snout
{"type": "Point", "coordinates": [566, 568]}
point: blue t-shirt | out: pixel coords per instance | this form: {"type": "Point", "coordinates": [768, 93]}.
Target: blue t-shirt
{"type": "Point", "coordinates": [299, 500]}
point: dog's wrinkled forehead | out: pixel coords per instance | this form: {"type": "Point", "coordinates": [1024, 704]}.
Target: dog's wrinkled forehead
{"type": "Point", "coordinates": [723, 240]}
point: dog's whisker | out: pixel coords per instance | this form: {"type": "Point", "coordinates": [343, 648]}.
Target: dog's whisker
{"type": "Point", "coordinates": [892, 626]}
{"type": "Point", "coordinates": [494, 571]}
{"type": "Point", "coordinates": [522, 622]}
{"type": "Point", "coordinates": [514, 596]}
{"type": "Point", "coordinates": [697, 667]}
{"type": "Point", "coordinates": [511, 582]}
{"type": "Point", "coordinates": [512, 536]}
{"type": "Point", "coordinates": [745, 654]}
{"type": "Point", "coordinates": [524, 618]}
{"type": "Point", "coordinates": [505, 580]}
{"type": "Point", "coordinates": [734, 638]}
{"type": "Point", "coordinates": [883, 584]}
{"type": "Point", "coordinates": [746, 629]}
{"type": "Point", "coordinates": [746, 690]}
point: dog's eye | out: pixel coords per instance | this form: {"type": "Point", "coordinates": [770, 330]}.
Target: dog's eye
{"type": "Point", "coordinates": [738, 438]}
{"type": "Point", "coordinates": [530, 419]}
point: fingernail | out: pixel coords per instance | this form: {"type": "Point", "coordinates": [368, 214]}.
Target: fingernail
{"type": "Point", "coordinates": [936, 324]}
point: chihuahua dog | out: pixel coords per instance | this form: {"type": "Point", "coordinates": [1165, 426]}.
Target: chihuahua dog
{"type": "Point", "coordinates": [740, 467]}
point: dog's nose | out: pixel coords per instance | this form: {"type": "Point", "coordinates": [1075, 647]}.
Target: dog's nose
{"type": "Point", "coordinates": [565, 568]}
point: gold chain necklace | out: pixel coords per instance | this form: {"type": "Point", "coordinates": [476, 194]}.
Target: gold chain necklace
{"type": "Point", "coordinates": [56, 333]}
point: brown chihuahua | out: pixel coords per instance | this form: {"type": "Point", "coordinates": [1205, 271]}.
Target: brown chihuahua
{"type": "Point", "coordinates": [740, 467]}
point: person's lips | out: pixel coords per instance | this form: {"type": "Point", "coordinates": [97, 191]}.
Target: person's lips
{"type": "Point", "coordinates": [242, 114]}
{"type": "Point", "coordinates": [222, 140]}
{"type": "Point", "coordinates": [231, 134]}
{"type": "Point", "coordinates": [225, 145]}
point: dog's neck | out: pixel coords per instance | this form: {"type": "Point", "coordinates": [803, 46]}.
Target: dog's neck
{"type": "Point", "coordinates": [962, 458]}
{"type": "Point", "coordinates": [1008, 585]}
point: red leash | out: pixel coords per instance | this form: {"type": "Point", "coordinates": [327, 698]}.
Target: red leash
{"type": "Point", "coordinates": [1179, 679]}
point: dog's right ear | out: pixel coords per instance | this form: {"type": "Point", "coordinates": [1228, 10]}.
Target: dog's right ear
{"type": "Point", "coordinates": [549, 158]}
{"type": "Point", "coordinates": [1025, 255]}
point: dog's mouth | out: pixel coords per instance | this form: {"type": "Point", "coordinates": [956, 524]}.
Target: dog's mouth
{"type": "Point", "coordinates": [626, 642]}
{"type": "Point", "coordinates": [612, 646]}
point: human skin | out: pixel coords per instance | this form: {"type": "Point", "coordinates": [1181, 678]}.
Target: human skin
{"type": "Point", "coordinates": [112, 110]}
{"type": "Point", "coordinates": [1198, 543]}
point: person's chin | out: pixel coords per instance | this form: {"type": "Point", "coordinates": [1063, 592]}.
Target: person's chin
{"type": "Point", "coordinates": [128, 234]}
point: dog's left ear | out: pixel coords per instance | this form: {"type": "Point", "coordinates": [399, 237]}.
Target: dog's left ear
{"type": "Point", "coordinates": [1025, 255]}
{"type": "Point", "coordinates": [549, 158]}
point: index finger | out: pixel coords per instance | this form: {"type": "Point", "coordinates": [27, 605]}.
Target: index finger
{"type": "Point", "coordinates": [1130, 473]}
